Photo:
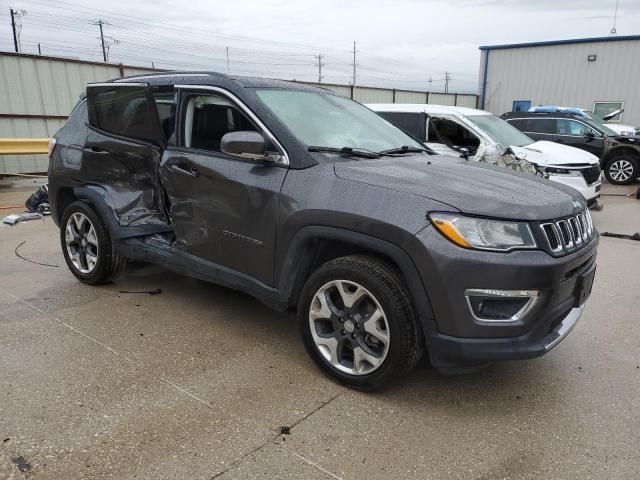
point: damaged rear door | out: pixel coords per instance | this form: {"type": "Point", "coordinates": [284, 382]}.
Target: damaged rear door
{"type": "Point", "coordinates": [122, 152]}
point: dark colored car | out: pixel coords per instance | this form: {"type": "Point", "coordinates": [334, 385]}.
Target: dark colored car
{"type": "Point", "coordinates": [619, 154]}
{"type": "Point", "coordinates": [310, 201]}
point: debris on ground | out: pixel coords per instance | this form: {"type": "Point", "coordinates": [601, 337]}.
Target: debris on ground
{"type": "Point", "coordinates": [28, 259]}
{"type": "Point", "coordinates": [39, 201]}
{"type": "Point", "coordinates": [21, 463]}
{"type": "Point", "coordinates": [284, 430]}
{"type": "Point", "coordinates": [157, 291]}
{"type": "Point", "coordinates": [635, 236]}
{"type": "Point", "coordinates": [21, 217]}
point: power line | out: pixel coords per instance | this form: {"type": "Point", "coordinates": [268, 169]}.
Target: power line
{"type": "Point", "coordinates": [320, 64]}
{"type": "Point", "coordinates": [13, 28]}
{"type": "Point", "coordinates": [354, 65]}
{"type": "Point", "coordinates": [447, 78]}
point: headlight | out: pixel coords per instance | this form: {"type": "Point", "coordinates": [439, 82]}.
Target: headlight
{"type": "Point", "coordinates": [563, 171]}
{"type": "Point", "coordinates": [483, 233]}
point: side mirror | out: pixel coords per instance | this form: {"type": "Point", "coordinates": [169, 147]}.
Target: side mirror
{"type": "Point", "coordinates": [245, 144]}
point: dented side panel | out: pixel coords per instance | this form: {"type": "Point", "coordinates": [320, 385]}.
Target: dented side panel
{"type": "Point", "coordinates": [128, 173]}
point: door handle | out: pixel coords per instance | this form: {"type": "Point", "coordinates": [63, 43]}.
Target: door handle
{"type": "Point", "coordinates": [95, 150]}
{"type": "Point", "coordinates": [185, 170]}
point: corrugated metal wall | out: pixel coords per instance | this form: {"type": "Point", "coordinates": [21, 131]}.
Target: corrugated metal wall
{"type": "Point", "coordinates": [562, 75]}
{"type": "Point", "coordinates": [37, 93]}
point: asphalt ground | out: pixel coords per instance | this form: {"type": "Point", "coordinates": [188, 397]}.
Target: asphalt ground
{"type": "Point", "coordinates": [198, 381]}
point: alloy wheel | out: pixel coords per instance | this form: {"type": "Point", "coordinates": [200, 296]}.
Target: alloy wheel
{"type": "Point", "coordinates": [349, 327]}
{"type": "Point", "coordinates": [621, 170]}
{"type": "Point", "coordinates": [82, 243]}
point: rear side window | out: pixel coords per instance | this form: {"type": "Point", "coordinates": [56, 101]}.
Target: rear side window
{"type": "Point", "coordinates": [539, 125]}
{"type": "Point", "coordinates": [125, 111]}
{"type": "Point", "coordinates": [412, 123]}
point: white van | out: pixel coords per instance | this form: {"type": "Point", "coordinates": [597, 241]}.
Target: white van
{"type": "Point", "coordinates": [484, 137]}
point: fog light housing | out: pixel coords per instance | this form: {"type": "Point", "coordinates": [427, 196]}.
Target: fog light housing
{"type": "Point", "coordinates": [500, 306]}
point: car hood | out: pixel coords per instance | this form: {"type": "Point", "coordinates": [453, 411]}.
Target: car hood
{"type": "Point", "coordinates": [619, 128]}
{"type": "Point", "coordinates": [551, 153]}
{"type": "Point", "coordinates": [470, 187]}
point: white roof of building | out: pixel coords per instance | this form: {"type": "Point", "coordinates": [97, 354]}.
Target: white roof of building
{"type": "Point", "coordinates": [424, 108]}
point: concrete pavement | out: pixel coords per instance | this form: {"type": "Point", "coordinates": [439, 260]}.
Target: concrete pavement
{"type": "Point", "coordinates": [196, 382]}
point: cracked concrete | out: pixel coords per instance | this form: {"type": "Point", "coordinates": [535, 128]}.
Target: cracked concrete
{"type": "Point", "coordinates": [198, 381]}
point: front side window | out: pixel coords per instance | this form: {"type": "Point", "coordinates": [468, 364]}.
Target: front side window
{"type": "Point", "coordinates": [500, 131]}
{"type": "Point", "coordinates": [123, 110]}
{"type": "Point", "coordinates": [449, 132]}
{"type": "Point", "coordinates": [327, 120]}
{"type": "Point", "coordinates": [208, 118]}
{"type": "Point", "coordinates": [571, 128]}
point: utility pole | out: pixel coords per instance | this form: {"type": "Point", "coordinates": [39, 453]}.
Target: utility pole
{"type": "Point", "coordinates": [430, 84]}
{"type": "Point", "coordinates": [320, 64]}
{"type": "Point", "coordinates": [228, 64]}
{"type": "Point", "coordinates": [447, 78]}
{"type": "Point", "coordinates": [354, 64]}
{"type": "Point", "coordinates": [39, 49]}
{"type": "Point", "coordinates": [104, 50]}
{"type": "Point", "coordinates": [13, 27]}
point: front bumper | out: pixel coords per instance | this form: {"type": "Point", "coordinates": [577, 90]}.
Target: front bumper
{"type": "Point", "coordinates": [589, 192]}
{"type": "Point", "coordinates": [455, 339]}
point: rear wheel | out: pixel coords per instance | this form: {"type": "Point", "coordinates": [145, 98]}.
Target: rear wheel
{"type": "Point", "coordinates": [622, 169]}
{"type": "Point", "coordinates": [357, 322]}
{"type": "Point", "coordinates": [87, 246]}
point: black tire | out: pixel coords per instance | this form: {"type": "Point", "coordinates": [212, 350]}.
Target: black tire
{"type": "Point", "coordinates": [110, 264]}
{"type": "Point", "coordinates": [405, 346]}
{"type": "Point", "coordinates": [622, 169]}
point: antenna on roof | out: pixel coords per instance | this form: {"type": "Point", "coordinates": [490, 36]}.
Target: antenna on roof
{"type": "Point", "coordinates": [614, 32]}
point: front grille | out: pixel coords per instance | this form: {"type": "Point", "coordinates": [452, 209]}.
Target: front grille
{"type": "Point", "coordinates": [591, 175]}
{"type": "Point", "coordinates": [568, 234]}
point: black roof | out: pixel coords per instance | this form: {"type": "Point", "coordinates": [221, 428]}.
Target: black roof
{"type": "Point", "coordinates": [214, 79]}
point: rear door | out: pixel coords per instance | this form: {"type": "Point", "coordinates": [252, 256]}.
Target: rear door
{"type": "Point", "coordinates": [538, 128]}
{"type": "Point", "coordinates": [122, 152]}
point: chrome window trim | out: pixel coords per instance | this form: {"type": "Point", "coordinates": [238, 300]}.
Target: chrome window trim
{"type": "Point", "coordinates": [118, 84]}
{"type": "Point", "coordinates": [533, 296]}
{"type": "Point", "coordinates": [599, 134]}
{"type": "Point", "coordinates": [245, 110]}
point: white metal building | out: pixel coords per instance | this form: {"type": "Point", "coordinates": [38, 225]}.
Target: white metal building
{"type": "Point", "coordinates": [598, 74]}
{"type": "Point", "coordinates": [37, 93]}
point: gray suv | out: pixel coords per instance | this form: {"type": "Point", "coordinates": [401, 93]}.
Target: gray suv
{"type": "Point", "coordinates": [311, 202]}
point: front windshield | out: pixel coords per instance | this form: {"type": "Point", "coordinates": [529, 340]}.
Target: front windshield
{"type": "Point", "coordinates": [327, 120]}
{"type": "Point", "coordinates": [500, 131]}
{"type": "Point", "coordinates": [596, 123]}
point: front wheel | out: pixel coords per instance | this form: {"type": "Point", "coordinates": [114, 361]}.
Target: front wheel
{"type": "Point", "coordinates": [622, 169]}
{"type": "Point", "coordinates": [87, 246]}
{"type": "Point", "coordinates": [357, 322]}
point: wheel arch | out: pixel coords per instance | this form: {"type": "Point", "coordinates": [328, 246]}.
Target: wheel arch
{"type": "Point", "coordinates": [314, 245]}
{"type": "Point", "coordinates": [621, 151]}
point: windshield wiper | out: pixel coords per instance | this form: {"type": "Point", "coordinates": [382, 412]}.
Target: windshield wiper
{"type": "Point", "coordinates": [351, 151]}
{"type": "Point", "coordinates": [403, 149]}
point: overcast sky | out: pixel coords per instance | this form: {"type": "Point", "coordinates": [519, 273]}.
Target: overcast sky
{"type": "Point", "coordinates": [400, 43]}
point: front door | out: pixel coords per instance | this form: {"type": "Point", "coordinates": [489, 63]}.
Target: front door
{"type": "Point", "coordinates": [577, 134]}
{"type": "Point", "coordinates": [122, 151]}
{"type": "Point", "coordinates": [224, 208]}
